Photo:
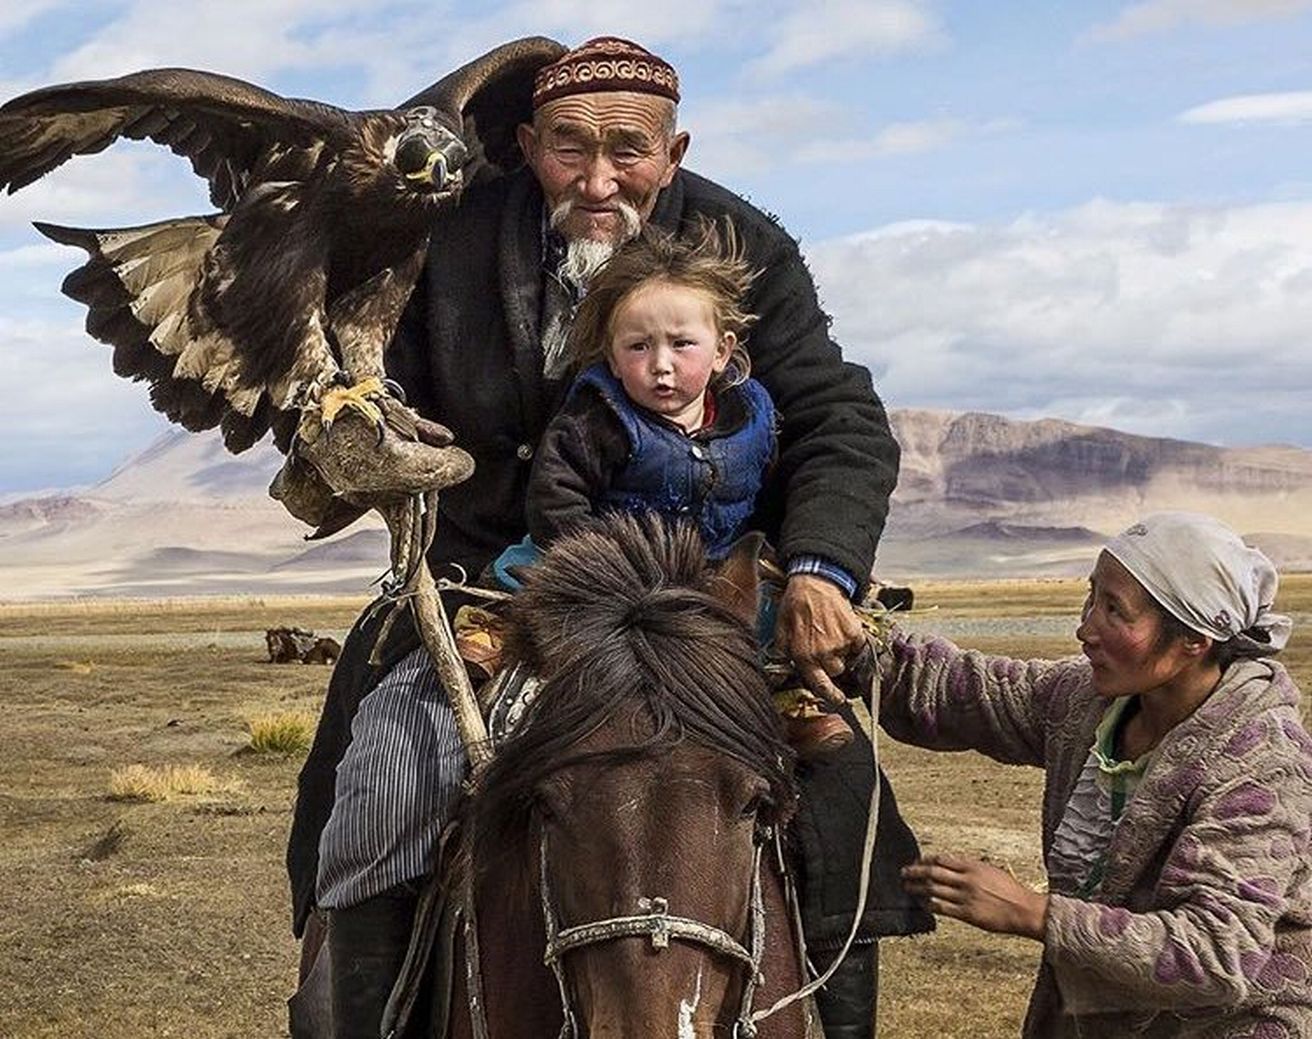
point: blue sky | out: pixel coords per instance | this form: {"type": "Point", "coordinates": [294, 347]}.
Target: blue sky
{"type": "Point", "coordinates": [1100, 212]}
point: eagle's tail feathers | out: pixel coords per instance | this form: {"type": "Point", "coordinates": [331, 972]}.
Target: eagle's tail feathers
{"type": "Point", "coordinates": [233, 383]}
{"type": "Point", "coordinates": [136, 358]}
{"type": "Point", "coordinates": [213, 378]}
{"type": "Point", "coordinates": [170, 336]}
{"type": "Point", "coordinates": [213, 361]}
{"type": "Point", "coordinates": [114, 325]}
{"type": "Point", "coordinates": [150, 270]}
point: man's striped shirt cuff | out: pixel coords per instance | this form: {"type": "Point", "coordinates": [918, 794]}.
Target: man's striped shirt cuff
{"type": "Point", "coordinates": [821, 567]}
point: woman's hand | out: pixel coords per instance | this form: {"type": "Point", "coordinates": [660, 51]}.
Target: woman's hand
{"type": "Point", "coordinates": [978, 893]}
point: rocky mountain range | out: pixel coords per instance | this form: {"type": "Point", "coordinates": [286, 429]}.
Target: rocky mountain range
{"type": "Point", "coordinates": [982, 495]}
{"type": "Point", "coordinates": [979, 496]}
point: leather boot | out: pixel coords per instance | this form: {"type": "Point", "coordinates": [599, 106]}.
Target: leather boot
{"type": "Point", "coordinates": [847, 1002]}
{"type": "Point", "coordinates": [368, 944]}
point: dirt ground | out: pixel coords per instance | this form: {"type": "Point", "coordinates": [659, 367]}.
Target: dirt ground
{"type": "Point", "coordinates": [121, 920]}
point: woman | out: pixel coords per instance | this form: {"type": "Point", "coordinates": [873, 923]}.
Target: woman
{"type": "Point", "coordinates": [1178, 799]}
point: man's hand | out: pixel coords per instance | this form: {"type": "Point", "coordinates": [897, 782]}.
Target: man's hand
{"type": "Point", "coordinates": [818, 629]}
{"type": "Point", "coordinates": [978, 893]}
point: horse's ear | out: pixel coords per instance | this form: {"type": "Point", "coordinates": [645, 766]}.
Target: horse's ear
{"type": "Point", "coordinates": [737, 582]}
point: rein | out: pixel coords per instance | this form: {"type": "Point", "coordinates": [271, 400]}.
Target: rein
{"type": "Point", "coordinates": [866, 721]}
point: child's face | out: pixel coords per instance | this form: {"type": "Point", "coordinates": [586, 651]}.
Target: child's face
{"type": "Point", "coordinates": [664, 348]}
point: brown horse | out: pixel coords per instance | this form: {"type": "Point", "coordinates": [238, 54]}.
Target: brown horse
{"type": "Point", "coordinates": [625, 831]}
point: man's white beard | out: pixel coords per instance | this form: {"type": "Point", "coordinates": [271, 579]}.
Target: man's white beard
{"type": "Point", "coordinates": [584, 256]}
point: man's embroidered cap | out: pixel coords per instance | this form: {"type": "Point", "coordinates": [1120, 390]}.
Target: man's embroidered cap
{"type": "Point", "coordinates": [605, 63]}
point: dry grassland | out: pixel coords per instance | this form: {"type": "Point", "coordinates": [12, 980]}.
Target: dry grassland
{"type": "Point", "coordinates": [124, 919]}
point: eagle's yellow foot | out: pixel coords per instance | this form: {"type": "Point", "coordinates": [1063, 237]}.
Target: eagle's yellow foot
{"type": "Point", "coordinates": [334, 399]}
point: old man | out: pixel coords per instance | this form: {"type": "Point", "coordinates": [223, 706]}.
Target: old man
{"type": "Point", "coordinates": [482, 349]}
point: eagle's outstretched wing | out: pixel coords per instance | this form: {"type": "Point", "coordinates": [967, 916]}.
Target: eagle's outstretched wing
{"type": "Point", "coordinates": [233, 317]}
{"type": "Point", "coordinates": [225, 126]}
{"type": "Point", "coordinates": [141, 284]}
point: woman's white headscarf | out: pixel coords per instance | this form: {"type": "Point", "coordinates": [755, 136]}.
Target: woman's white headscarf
{"type": "Point", "coordinates": [1203, 574]}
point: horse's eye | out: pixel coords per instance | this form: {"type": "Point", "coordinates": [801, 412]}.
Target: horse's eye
{"type": "Point", "coordinates": [758, 803]}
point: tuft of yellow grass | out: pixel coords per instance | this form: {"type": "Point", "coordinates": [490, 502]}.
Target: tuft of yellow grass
{"type": "Point", "coordinates": [138, 890]}
{"type": "Point", "coordinates": [281, 732]}
{"type": "Point", "coordinates": [143, 783]}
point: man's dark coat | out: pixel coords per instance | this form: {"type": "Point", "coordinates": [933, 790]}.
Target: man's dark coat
{"type": "Point", "coordinates": [469, 355]}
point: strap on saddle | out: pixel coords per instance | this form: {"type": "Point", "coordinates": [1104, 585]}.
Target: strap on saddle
{"type": "Point", "coordinates": [431, 951]}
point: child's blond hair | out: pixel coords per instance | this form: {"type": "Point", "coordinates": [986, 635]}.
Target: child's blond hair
{"type": "Point", "coordinates": [709, 262]}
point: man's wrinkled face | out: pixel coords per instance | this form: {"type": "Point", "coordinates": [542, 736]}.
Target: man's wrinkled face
{"type": "Point", "coordinates": [602, 159]}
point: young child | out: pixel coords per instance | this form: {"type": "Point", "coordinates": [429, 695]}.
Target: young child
{"type": "Point", "coordinates": [663, 416]}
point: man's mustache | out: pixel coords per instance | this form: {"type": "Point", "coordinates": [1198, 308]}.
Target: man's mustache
{"type": "Point", "coordinates": [630, 218]}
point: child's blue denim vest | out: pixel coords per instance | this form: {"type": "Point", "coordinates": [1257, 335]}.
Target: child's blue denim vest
{"type": "Point", "coordinates": [712, 481]}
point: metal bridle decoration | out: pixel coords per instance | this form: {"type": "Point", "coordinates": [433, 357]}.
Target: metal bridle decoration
{"type": "Point", "coordinates": [656, 923]}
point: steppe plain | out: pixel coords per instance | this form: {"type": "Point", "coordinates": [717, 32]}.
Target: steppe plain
{"type": "Point", "coordinates": [123, 920]}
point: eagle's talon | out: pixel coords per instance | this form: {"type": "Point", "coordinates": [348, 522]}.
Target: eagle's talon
{"type": "Point", "coordinates": [360, 397]}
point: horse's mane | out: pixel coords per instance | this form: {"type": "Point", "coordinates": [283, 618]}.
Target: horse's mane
{"type": "Point", "coordinates": [621, 614]}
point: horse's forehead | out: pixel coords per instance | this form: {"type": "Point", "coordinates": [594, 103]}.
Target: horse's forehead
{"type": "Point", "coordinates": [685, 773]}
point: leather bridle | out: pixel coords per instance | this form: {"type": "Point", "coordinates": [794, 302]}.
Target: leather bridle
{"type": "Point", "coordinates": [655, 922]}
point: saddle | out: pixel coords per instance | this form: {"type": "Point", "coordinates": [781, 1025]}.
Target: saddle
{"type": "Point", "coordinates": [811, 727]}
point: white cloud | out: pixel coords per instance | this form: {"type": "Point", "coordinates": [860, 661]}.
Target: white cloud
{"type": "Point", "coordinates": [1154, 16]}
{"type": "Point", "coordinates": [245, 38]}
{"type": "Point", "coordinates": [742, 137]}
{"type": "Point", "coordinates": [819, 30]}
{"type": "Point", "coordinates": [438, 43]}
{"type": "Point", "coordinates": [651, 24]}
{"type": "Point", "coordinates": [73, 414]}
{"type": "Point", "coordinates": [737, 137]}
{"type": "Point", "coordinates": [908, 138]}
{"type": "Point", "coordinates": [127, 184]}
{"type": "Point", "coordinates": [1288, 108]}
{"type": "Point", "coordinates": [912, 137]}
{"type": "Point", "coordinates": [1161, 416]}
{"type": "Point", "coordinates": [1103, 310]}
{"type": "Point", "coordinates": [394, 52]}
{"type": "Point", "coordinates": [28, 256]}
{"type": "Point", "coordinates": [18, 13]}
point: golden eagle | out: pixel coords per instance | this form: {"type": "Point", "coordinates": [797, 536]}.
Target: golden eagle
{"type": "Point", "coordinates": [276, 311]}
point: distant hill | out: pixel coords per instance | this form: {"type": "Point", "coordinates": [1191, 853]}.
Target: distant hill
{"type": "Point", "coordinates": [979, 496]}
{"type": "Point", "coordinates": [982, 495]}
